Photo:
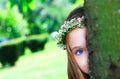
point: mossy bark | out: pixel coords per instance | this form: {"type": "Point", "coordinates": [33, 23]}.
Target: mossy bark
{"type": "Point", "coordinates": [103, 20]}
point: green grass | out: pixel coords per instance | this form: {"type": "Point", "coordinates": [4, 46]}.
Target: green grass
{"type": "Point", "coordinates": [48, 64]}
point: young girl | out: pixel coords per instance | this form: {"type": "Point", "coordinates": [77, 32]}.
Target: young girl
{"type": "Point", "coordinates": [72, 37]}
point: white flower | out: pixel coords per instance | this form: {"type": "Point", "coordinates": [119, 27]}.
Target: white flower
{"type": "Point", "coordinates": [72, 20]}
{"type": "Point", "coordinates": [82, 17]}
{"type": "Point", "coordinates": [64, 29]}
{"type": "Point", "coordinates": [60, 31]}
{"type": "Point", "coordinates": [79, 20]}
{"type": "Point", "coordinates": [53, 34]}
{"type": "Point", "coordinates": [73, 23]}
{"type": "Point", "coordinates": [65, 22]}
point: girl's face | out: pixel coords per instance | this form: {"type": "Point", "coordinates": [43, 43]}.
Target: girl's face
{"type": "Point", "coordinates": [77, 43]}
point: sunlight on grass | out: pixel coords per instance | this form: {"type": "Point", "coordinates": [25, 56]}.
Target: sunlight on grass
{"type": "Point", "coordinates": [48, 64]}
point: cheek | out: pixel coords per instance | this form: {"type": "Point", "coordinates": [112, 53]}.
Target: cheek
{"type": "Point", "coordinates": [82, 61]}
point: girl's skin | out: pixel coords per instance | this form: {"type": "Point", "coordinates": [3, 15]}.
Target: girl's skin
{"type": "Point", "coordinates": [77, 43]}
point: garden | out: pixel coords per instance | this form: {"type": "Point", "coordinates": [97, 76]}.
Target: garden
{"type": "Point", "coordinates": [27, 48]}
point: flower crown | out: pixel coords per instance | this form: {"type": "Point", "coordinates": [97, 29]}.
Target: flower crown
{"type": "Point", "coordinates": [66, 28]}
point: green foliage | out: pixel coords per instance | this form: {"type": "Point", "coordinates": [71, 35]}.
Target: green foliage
{"type": "Point", "coordinates": [12, 24]}
{"type": "Point", "coordinates": [10, 51]}
{"type": "Point", "coordinates": [72, 1]}
{"type": "Point", "coordinates": [50, 20]}
{"type": "Point", "coordinates": [39, 36]}
{"type": "Point", "coordinates": [46, 16]}
{"type": "Point", "coordinates": [47, 64]}
{"type": "Point", "coordinates": [41, 15]}
{"type": "Point", "coordinates": [46, 1]}
{"type": "Point", "coordinates": [78, 3]}
{"type": "Point", "coordinates": [23, 5]}
{"type": "Point", "coordinates": [36, 42]}
{"type": "Point", "coordinates": [13, 42]}
{"type": "Point", "coordinates": [35, 17]}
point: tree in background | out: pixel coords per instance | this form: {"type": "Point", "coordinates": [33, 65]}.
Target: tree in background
{"type": "Point", "coordinates": [40, 14]}
{"type": "Point", "coordinates": [44, 15]}
{"type": "Point", "coordinates": [11, 24]}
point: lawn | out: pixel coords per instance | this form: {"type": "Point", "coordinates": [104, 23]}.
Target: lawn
{"type": "Point", "coordinates": [48, 64]}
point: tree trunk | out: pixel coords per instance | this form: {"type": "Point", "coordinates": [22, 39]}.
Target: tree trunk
{"type": "Point", "coordinates": [103, 20]}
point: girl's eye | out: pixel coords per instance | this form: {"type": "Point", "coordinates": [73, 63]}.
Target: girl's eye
{"type": "Point", "coordinates": [79, 52]}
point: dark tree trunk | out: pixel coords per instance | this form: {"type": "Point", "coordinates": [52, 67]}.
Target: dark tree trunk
{"type": "Point", "coordinates": [103, 19]}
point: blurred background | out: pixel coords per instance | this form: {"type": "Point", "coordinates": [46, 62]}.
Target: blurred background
{"type": "Point", "coordinates": [27, 48]}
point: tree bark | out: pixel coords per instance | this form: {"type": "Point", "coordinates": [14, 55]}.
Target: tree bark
{"type": "Point", "coordinates": [103, 21]}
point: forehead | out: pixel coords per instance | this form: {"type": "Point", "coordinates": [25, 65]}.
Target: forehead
{"type": "Point", "coordinates": [77, 37]}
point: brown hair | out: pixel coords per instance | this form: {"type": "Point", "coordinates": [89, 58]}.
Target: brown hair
{"type": "Point", "coordinates": [74, 71]}
{"type": "Point", "coordinates": [78, 12]}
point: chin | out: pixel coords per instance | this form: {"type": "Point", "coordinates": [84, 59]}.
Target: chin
{"type": "Point", "coordinates": [86, 74]}
{"type": "Point", "coordinates": [86, 71]}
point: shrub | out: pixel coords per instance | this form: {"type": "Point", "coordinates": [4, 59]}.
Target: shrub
{"type": "Point", "coordinates": [12, 24]}
{"type": "Point", "coordinates": [36, 42]}
{"type": "Point", "coordinates": [10, 51]}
